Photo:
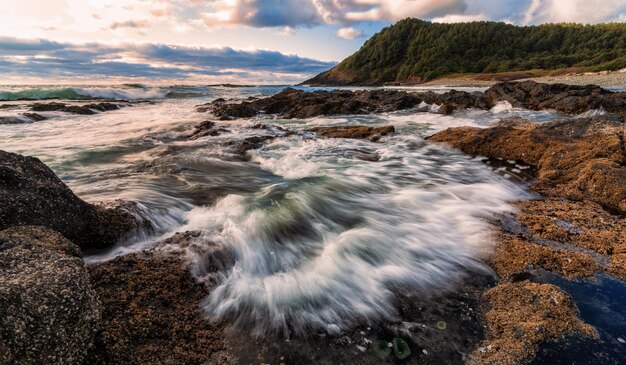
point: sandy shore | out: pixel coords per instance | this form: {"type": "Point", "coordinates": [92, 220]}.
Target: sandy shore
{"type": "Point", "coordinates": [612, 80]}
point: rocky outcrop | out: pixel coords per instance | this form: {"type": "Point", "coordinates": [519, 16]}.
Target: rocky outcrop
{"type": "Point", "coordinates": [291, 103]}
{"type": "Point", "coordinates": [49, 312]}
{"type": "Point", "coordinates": [578, 159]}
{"type": "Point", "coordinates": [87, 109]}
{"type": "Point", "coordinates": [570, 99]}
{"type": "Point", "coordinates": [31, 194]}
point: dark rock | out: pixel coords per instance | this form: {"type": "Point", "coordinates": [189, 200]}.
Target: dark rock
{"type": "Point", "coordinates": [250, 143]}
{"type": "Point", "coordinates": [291, 103]}
{"type": "Point", "coordinates": [31, 194]}
{"type": "Point", "coordinates": [206, 128]}
{"type": "Point", "coordinates": [49, 312]}
{"type": "Point", "coordinates": [47, 107]}
{"type": "Point", "coordinates": [570, 99]}
{"type": "Point", "coordinates": [103, 107]}
{"type": "Point", "coordinates": [12, 120]}
{"type": "Point", "coordinates": [77, 109]}
{"type": "Point", "coordinates": [34, 116]}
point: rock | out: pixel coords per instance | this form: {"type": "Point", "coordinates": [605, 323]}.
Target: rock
{"type": "Point", "coordinates": [47, 107]}
{"type": "Point", "coordinates": [578, 158]}
{"type": "Point", "coordinates": [523, 315]}
{"type": "Point", "coordinates": [78, 109]}
{"type": "Point", "coordinates": [291, 103]}
{"type": "Point", "coordinates": [206, 128]}
{"type": "Point", "coordinates": [570, 99]}
{"type": "Point", "coordinates": [34, 117]}
{"type": "Point", "coordinates": [12, 120]}
{"type": "Point", "coordinates": [358, 132]}
{"type": "Point", "coordinates": [31, 194]}
{"type": "Point", "coordinates": [49, 312]}
{"type": "Point", "coordinates": [250, 143]}
{"type": "Point", "coordinates": [87, 109]}
{"type": "Point", "coordinates": [152, 311]}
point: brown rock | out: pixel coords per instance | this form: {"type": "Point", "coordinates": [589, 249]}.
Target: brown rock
{"type": "Point", "coordinates": [357, 131]}
{"type": "Point", "coordinates": [579, 158]}
{"type": "Point", "coordinates": [521, 316]}
{"type": "Point", "coordinates": [49, 312]}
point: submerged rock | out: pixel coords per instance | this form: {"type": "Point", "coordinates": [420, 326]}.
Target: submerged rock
{"type": "Point", "coordinates": [356, 132]}
{"type": "Point", "coordinates": [31, 194]}
{"type": "Point", "coordinates": [49, 312]}
{"type": "Point", "coordinates": [578, 158]}
{"type": "Point", "coordinates": [523, 315]}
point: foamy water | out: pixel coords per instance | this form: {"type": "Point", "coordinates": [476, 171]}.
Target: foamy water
{"type": "Point", "coordinates": [322, 231]}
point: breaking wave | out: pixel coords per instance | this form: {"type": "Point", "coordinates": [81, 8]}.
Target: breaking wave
{"type": "Point", "coordinates": [328, 247]}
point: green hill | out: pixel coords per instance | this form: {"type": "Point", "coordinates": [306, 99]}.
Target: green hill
{"type": "Point", "coordinates": [415, 51]}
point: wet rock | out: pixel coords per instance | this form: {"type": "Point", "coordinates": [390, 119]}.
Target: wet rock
{"type": "Point", "coordinates": [357, 132]}
{"type": "Point", "coordinates": [12, 120]}
{"type": "Point", "coordinates": [87, 109]}
{"type": "Point", "coordinates": [578, 158]}
{"type": "Point", "coordinates": [49, 312]}
{"type": "Point", "coordinates": [103, 106]}
{"type": "Point", "coordinates": [152, 313]}
{"type": "Point", "coordinates": [570, 99]}
{"type": "Point", "coordinates": [34, 117]}
{"type": "Point", "coordinates": [207, 128]}
{"type": "Point", "coordinates": [78, 109]}
{"type": "Point", "coordinates": [523, 315]}
{"type": "Point", "coordinates": [31, 194]}
{"type": "Point", "coordinates": [47, 107]}
{"type": "Point", "coordinates": [292, 103]}
{"type": "Point", "coordinates": [250, 143]}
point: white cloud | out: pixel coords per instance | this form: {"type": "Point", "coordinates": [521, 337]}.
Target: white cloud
{"type": "Point", "coordinates": [287, 31]}
{"type": "Point", "coordinates": [349, 33]}
{"type": "Point", "coordinates": [578, 11]}
{"type": "Point", "coordinates": [460, 18]}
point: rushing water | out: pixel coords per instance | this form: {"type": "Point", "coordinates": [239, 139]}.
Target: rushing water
{"type": "Point", "coordinates": [321, 230]}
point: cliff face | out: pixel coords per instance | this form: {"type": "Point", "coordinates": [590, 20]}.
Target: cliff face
{"type": "Point", "coordinates": [414, 51]}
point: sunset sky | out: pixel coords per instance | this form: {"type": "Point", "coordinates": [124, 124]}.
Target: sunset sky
{"type": "Point", "coordinates": [245, 41]}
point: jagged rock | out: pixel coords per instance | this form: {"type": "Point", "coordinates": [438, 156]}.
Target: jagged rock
{"type": "Point", "coordinates": [291, 103]}
{"type": "Point", "coordinates": [578, 158]}
{"type": "Point", "coordinates": [49, 312]}
{"type": "Point", "coordinates": [570, 99]}
{"type": "Point", "coordinates": [31, 194]}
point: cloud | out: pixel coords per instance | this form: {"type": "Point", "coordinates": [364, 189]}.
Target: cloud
{"type": "Point", "coordinates": [579, 11]}
{"type": "Point", "coordinates": [460, 18]}
{"type": "Point", "coordinates": [133, 24]}
{"type": "Point", "coordinates": [44, 58]}
{"type": "Point", "coordinates": [287, 31]}
{"type": "Point", "coordinates": [349, 33]}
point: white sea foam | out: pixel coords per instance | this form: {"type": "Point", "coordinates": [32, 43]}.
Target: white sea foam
{"type": "Point", "coordinates": [326, 251]}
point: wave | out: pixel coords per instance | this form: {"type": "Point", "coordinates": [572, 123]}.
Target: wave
{"type": "Point", "coordinates": [83, 93]}
{"type": "Point", "coordinates": [324, 248]}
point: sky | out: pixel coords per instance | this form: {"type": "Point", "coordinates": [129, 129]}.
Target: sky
{"type": "Point", "coordinates": [229, 41]}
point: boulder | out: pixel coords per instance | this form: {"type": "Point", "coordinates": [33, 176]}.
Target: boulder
{"type": "Point", "coordinates": [356, 132]}
{"type": "Point", "coordinates": [31, 194]}
{"type": "Point", "coordinates": [49, 312]}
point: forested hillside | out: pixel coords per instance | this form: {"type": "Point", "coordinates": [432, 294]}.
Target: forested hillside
{"type": "Point", "coordinates": [413, 50]}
